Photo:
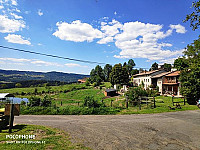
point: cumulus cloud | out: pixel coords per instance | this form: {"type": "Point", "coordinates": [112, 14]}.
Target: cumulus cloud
{"type": "Point", "coordinates": [13, 38]}
{"type": "Point", "coordinates": [28, 61]}
{"type": "Point", "coordinates": [15, 59]}
{"type": "Point", "coordinates": [140, 40]}
{"type": "Point", "coordinates": [14, 2]}
{"type": "Point", "coordinates": [179, 28]}
{"type": "Point", "coordinates": [16, 16]}
{"type": "Point", "coordinates": [77, 31]}
{"type": "Point", "coordinates": [10, 25]}
{"type": "Point", "coordinates": [134, 39]}
{"type": "Point", "coordinates": [40, 13]}
{"type": "Point", "coordinates": [45, 63]}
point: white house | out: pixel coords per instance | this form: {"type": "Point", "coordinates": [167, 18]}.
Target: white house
{"type": "Point", "coordinates": [146, 77]}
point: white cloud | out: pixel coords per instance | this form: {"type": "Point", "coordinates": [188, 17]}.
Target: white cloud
{"type": "Point", "coordinates": [16, 16]}
{"type": "Point", "coordinates": [45, 63]}
{"type": "Point", "coordinates": [74, 65]}
{"type": "Point", "coordinates": [40, 13]}
{"type": "Point", "coordinates": [27, 12]}
{"type": "Point", "coordinates": [39, 44]}
{"type": "Point", "coordinates": [140, 40]}
{"type": "Point", "coordinates": [15, 59]}
{"type": "Point", "coordinates": [29, 62]}
{"type": "Point", "coordinates": [115, 13]}
{"type": "Point", "coordinates": [179, 28]}
{"type": "Point", "coordinates": [14, 2]}
{"type": "Point", "coordinates": [105, 40]}
{"type": "Point", "coordinates": [134, 39]}
{"type": "Point", "coordinates": [76, 31]}
{"type": "Point", "coordinates": [10, 25]}
{"type": "Point", "coordinates": [1, 7]}
{"type": "Point", "coordinates": [13, 38]}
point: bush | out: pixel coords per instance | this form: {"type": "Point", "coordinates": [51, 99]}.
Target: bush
{"type": "Point", "coordinates": [46, 101]}
{"type": "Point", "coordinates": [67, 110]}
{"type": "Point", "coordinates": [90, 102]}
{"type": "Point", "coordinates": [34, 101]}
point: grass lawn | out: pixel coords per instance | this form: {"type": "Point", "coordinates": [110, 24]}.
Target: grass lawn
{"type": "Point", "coordinates": [50, 139]}
{"type": "Point", "coordinates": [162, 105]}
{"type": "Point", "coordinates": [72, 98]}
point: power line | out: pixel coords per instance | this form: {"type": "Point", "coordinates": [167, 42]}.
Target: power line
{"type": "Point", "coordinates": [49, 55]}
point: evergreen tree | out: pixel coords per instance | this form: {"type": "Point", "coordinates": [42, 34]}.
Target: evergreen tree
{"type": "Point", "coordinates": [107, 70]}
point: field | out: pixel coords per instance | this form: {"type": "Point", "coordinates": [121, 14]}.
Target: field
{"type": "Point", "coordinates": [69, 99]}
{"type": "Point", "coordinates": [45, 138]}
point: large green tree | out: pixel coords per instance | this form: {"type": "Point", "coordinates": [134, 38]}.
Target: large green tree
{"type": "Point", "coordinates": [167, 67]}
{"type": "Point", "coordinates": [181, 63]}
{"type": "Point", "coordinates": [130, 66]}
{"type": "Point", "coordinates": [154, 66]}
{"type": "Point", "coordinates": [194, 17]}
{"type": "Point", "coordinates": [97, 75]}
{"type": "Point", "coordinates": [119, 75]}
{"type": "Point", "coordinates": [107, 70]}
{"type": "Point", "coordinates": [190, 76]}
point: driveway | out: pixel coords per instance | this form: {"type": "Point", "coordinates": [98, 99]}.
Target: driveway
{"type": "Point", "coordinates": [165, 131]}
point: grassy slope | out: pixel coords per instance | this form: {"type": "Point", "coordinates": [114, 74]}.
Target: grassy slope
{"type": "Point", "coordinates": [78, 95]}
{"type": "Point", "coordinates": [54, 139]}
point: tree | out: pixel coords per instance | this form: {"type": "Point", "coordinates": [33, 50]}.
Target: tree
{"type": "Point", "coordinates": [97, 75]}
{"type": "Point", "coordinates": [116, 75]}
{"type": "Point", "coordinates": [134, 71]}
{"type": "Point", "coordinates": [130, 66]}
{"type": "Point", "coordinates": [181, 63]}
{"type": "Point", "coordinates": [107, 70]}
{"type": "Point", "coordinates": [167, 67]}
{"type": "Point", "coordinates": [125, 75]}
{"type": "Point", "coordinates": [154, 66]}
{"type": "Point", "coordinates": [194, 17]}
{"type": "Point", "coordinates": [46, 101]}
{"type": "Point", "coordinates": [190, 76]}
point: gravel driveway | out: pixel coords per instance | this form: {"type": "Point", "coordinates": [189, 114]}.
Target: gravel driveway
{"type": "Point", "coordinates": [165, 131]}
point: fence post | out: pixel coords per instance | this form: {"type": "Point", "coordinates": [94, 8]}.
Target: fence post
{"type": "Point", "coordinates": [111, 103]}
{"type": "Point", "coordinates": [184, 100]}
{"type": "Point", "coordinates": [126, 102]}
{"type": "Point", "coordinates": [139, 100]}
{"type": "Point", "coordinates": [154, 102]}
{"type": "Point", "coordinates": [61, 103]}
{"type": "Point", "coordinates": [173, 100]}
{"type": "Point", "coordinates": [11, 119]}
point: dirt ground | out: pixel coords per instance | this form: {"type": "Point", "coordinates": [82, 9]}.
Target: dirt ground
{"type": "Point", "coordinates": [165, 131]}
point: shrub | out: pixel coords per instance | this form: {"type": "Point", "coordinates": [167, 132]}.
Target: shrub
{"type": "Point", "coordinates": [90, 102]}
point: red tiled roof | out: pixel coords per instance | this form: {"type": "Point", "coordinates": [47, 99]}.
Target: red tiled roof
{"type": "Point", "coordinates": [176, 73]}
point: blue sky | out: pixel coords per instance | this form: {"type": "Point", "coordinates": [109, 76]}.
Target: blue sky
{"type": "Point", "coordinates": [113, 31]}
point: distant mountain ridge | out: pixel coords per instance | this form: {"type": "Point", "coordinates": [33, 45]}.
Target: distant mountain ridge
{"type": "Point", "coordinates": [18, 76]}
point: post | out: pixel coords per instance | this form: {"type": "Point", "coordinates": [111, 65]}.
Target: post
{"type": "Point", "coordinates": [78, 103]}
{"type": "Point", "coordinates": [126, 102]}
{"type": "Point", "coordinates": [184, 100]}
{"type": "Point", "coordinates": [11, 119]}
{"type": "Point", "coordinates": [173, 100]}
{"type": "Point", "coordinates": [154, 102]}
{"type": "Point", "coordinates": [61, 103]}
{"type": "Point", "coordinates": [139, 103]}
{"type": "Point", "coordinates": [111, 103]}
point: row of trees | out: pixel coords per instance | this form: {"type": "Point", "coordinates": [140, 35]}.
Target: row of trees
{"type": "Point", "coordinates": [117, 74]}
{"type": "Point", "coordinates": [189, 64]}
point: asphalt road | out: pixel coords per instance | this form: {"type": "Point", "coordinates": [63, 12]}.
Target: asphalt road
{"type": "Point", "coordinates": [165, 131]}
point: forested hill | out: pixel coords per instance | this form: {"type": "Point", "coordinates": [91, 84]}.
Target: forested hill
{"type": "Point", "coordinates": [18, 76]}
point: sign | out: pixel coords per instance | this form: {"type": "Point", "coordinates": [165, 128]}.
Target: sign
{"type": "Point", "coordinates": [15, 111]}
